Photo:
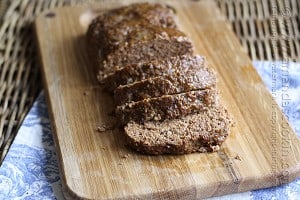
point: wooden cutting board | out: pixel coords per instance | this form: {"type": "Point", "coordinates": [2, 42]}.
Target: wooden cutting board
{"type": "Point", "coordinates": [261, 151]}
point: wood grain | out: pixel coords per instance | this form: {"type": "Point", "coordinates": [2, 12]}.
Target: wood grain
{"type": "Point", "coordinates": [261, 151]}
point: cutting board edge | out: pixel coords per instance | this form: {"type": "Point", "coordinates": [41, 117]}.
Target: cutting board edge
{"type": "Point", "coordinates": [196, 190]}
{"type": "Point", "coordinates": [50, 109]}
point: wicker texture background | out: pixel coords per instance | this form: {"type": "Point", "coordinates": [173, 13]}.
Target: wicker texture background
{"type": "Point", "coordinates": [268, 29]}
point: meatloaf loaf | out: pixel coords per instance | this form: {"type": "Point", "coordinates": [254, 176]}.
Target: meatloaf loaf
{"type": "Point", "coordinates": [166, 98]}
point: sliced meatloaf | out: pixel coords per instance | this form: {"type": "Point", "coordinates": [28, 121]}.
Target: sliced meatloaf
{"type": "Point", "coordinates": [174, 83]}
{"type": "Point", "coordinates": [198, 132]}
{"type": "Point", "coordinates": [167, 106]}
{"type": "Point", "coordinates": [166, 98]}
{"type": "Point", "coordinates": [137, 72]}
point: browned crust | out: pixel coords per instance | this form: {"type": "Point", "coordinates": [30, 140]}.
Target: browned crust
{"type": "Point", "coordinates": [128, 33]}
{"type": "Point", "coordinates": [167, 106]}
{"type": "Point", "coordinates": [136, 72]}
{"type": "Point", "coordinates": [199, 132]}
{"type": "Point", "coordinates": [156, 14]}
{"type": "Point", "coordinates": [174, 83]}
{"type": "Point", "coordinates": [109, 30]}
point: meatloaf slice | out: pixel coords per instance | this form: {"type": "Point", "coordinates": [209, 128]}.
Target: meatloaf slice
{"type": "Point", "coordinates": [137, 72]}
{"type": "Point", "coordinates": [143, 43]}
{"type": "Point", "coordinates": [198, 132]}
{"type": "Point", "coordinates": [174, 83]}
{"type": "Point", "coordinates": [167, 106]}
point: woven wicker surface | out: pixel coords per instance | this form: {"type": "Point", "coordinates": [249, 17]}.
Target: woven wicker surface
{"type": "Point", "coordinates": [268, 29]}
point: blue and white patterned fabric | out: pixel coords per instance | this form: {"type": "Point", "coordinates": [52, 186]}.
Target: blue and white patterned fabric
{"type": "Point", "coordinates": [30, 169]}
